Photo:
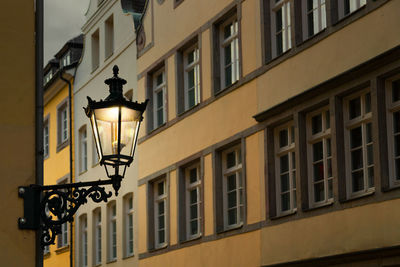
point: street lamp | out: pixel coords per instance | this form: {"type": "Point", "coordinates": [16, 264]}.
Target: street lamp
{"type": "Point", "coordinates": [115, 124]}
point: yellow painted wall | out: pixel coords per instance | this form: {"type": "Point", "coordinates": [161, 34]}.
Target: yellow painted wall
{"type": "Point", "coordinates": [338, 52]}
{"type": "Point", "coordinates": [361, 228]}
{"type": "Point", "coordinates": [56, 166]}
{"type": "Point", "coordinates": [17, 128]}
{"type": "Point", "coordinates": [238, 251]}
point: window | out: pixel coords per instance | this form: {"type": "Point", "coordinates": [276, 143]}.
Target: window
{"type": "Point", "coordinates": [112, 231]}
{"type": "Point", "coordinates": [62, 124]}
{"type": "Point", "coordinates": [46, 250]}
{"type": "Point", "coordinates": [46, 138]}
{"type": "Point", "coordinates": [359, 144]}
{"type": "Point", "coordinates": [159, 98]}
{"type": "Point", "coordinates": [350, 6]}
{"type": "Point", "coordinates": [319, 151]}
{"type": "Point", "coordinates": [62, 238]}
{"type": "Point", "coordinates": [109, 37]}
{"type": "Point", "coordinates": [160, 215]}
{"type": "Point", "coordinates": [97, 236]}
{"type": "Point", "coordinates": [95, 50]}
{"type": "Point", "coordinates": [47, 77]}
{"type": "Point", "coordinates": [281, 26]}
{"type": "Point", "coordinates": [191, 77]}
{"type": "Point", "coordinates": [315, 11]}
{"type": "Point", "coordinates": [129, 95]}
{"type": "Point", "coordinates": [66, 59]}
{"type": "Point", "coordinates": [233, 187]}
{"type": "Point", "coordinates": [229, 46]}
{"type": "Point", "coordinates": [82, 149]}
{"type": "Point", "coordinates": [84, 241]}
{"type": "Point", "coordinates": [128, 208]}
{"type": "Point", "coordinates": [285, 169]}
{"type": "Point", "coordinates": [193, 200]}
{"type": "Point", "coordinates": [393, 122]}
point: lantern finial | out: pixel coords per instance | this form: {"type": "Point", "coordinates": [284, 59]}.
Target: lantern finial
{"type": "Point", "coordinates": [115, 83]}
{"type": "Point", "coordinates": [115, 71]}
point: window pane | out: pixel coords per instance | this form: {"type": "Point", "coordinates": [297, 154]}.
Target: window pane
{"type": "Point", "coordinates": [284, 163]}
{"type": "Point", "coordinates": [191, 98]}
{"type": "Point", "coordinates": [327, 119]}
{"type": "Point", "coordinates": [228, 75]}
{"type": "Point", "coordinates": [358, 180]}
{"type": "Point", "coordinates": [285, 183]}
{"type": "Point", "coordinates": [190, 76]}
{"type": "Point", "coordinates": [329, 167]}
{"type": "Point", "coordinates": [316, 124]}
{"type": "Point", "coordinates": [330, 189]}
{"type": "Point", "coordinates": [328, 147]}
{"type": "Point", "coordinates": [397, 145]}
{"type": "Point", "coordinates": [193, 212]}
{"type": "Point", "coordinates": [292, 134]}
{"type": "Point", "coordinates": [355, 108]}
{"type": "Point", "coordinates": [160, 117]}
{"type": "Point", "coordinates": [283, 138]}
{"type": "Point", "coordinates": [317, 151]}
{"type": "Point", "coordinates": [310, 24]}
{"type": "Point", "coordinates": [161, 224]}
{"type": "Point", "coordinates": [193, 196]}
{"type": "Point", "coordinates": [293, 157]}
{"type": "Point", "coordinates": [159, 99]}
{"type": "Point", "coordinates": [231, 182]}
{"type": "Point", "coordinates": [193, 227]}
{"type": "Point", "coordinates": [294, 179]}
{"type": "Point", "coordinates": [370, 155]}
{"type": "Point", "coordinates": [232, 202]}
{"type": "Point", "coordinates": [355, 137]}
{"type": "Point", "coordinates": [356, 159]}
{"type": "Point", "coordinates": [278, 22]}
{"type": "Point", "coordinates": [285, 201]}
{"type": "Point", "coordinates": [319, 193]}
{"type": "Point", "coordinates": [397, 163]}
{"type": "Point", "coordinates": [396, 122]}
{"type": "Point", "coordinates": [228, 30]}
{"type": "Point", "coordinates": [318, 171]}
{"type": "Point", "coordinates": [159, 79]}
{"type": "Point", "coordinates": [368, 103]}
{"type": "Point", "coordinates": [228, 54]}
{"type": "Point", "coordinates": [160, 188]}
{"type": "Point", "coordinates": [161, 207]}
{"type": "Point", "coordinates": [232, 217]}
{"type": "Point", "coordinates": [190, 57]}
{"type": "Point", "coordinates": [230, 159]}
{"type": "Point", "coordinates": [279, 43]}
{"type": "Point", "coordinates": [161, 236]}
{"type": "Point", "coordinates": [396, 91]}
{"type": "Point", "coordinates": [193, 175]}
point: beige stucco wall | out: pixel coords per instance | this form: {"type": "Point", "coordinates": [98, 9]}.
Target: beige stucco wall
{"type": "Point", "coordinates": [17, 128]}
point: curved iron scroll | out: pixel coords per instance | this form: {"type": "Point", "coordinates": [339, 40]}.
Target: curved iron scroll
{"type": "Point", "coordinates": [59, 206]}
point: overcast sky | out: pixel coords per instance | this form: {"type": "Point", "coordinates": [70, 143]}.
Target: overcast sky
{"type": "Point", "coordinates": [63, 20]}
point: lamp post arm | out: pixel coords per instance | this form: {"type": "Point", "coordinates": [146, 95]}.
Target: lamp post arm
{"type": "Point", "coordinates": [48, 207]}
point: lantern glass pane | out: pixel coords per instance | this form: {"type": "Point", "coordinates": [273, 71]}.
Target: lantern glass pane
{"type": "Point", "coordinates": [129, 121]}
{"type": "Point", "coordinates": [96, 135]}
{"type": "Point", "coordinates": [107, 125]}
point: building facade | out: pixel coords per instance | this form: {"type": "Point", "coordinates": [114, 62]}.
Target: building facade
{"type": "Point", "coordinates": [19, 162]}
{"type": "Point", "coordinates": [106, 233]}
{"type": "Point", "coordinates": [271, 135]}
{"type": "Point", "coordinates": [57, 136]}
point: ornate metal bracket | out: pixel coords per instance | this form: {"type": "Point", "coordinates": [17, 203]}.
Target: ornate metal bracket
{"type": "Point", "coordinates": [48, 207]}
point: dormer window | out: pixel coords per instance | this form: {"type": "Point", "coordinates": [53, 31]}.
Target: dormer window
{"type": "Point", "coordinates": [47, 77]}
{"type": "Point", "coordinates": [66, 59]}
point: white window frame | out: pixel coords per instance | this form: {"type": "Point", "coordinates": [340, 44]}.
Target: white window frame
{"type": "Point", "coordinates": [48, 77]}
{"type": "Point", "coordinates": [128, 208]}
{"type": "Point", "coordinates": [391, 107]}
{"type": "Point", "coordinates": [83, 166]}
{"type": "Point", "coordinates": [97, 238]}
{"type": "Point", "coordinates": [63, 135]}
{"type": "Point", "coordinates": [46, 138]}
{"type": "Point", "coordinates": [62, 237]}
{"type": "Point", "coordinates": [84, 241]}
{"type": "Point", "coordinates": [318, 14]}
{"type": "Point", "coordinates": [157, 199]}
{"type": "Point", "coordinates": [236, 170]}
{"type": "Point", "coordinates": [112, 231]}
{"type": "Point", "coordinates": [195, 66]}
{"type": "Point", "coordinates": [156, 89]}
{"type": "Point", "coordinates": [350, 124]}
{"type": "Point", "coordinates": [190, 187]}
{"type": "Point", "coordinates": [323, 136]}
{"type": "Point", "coordinates": [290, 150]}
{"type": "Point", "coordinates": [46, 250]}
{"type": "Point", "coordinates": [287, 26]}
{"type": "Point", "coordinates": [233, 40]}
{"type": "Point", "coordinates": [95, 156]}
{"type": "Point", "coordinates": [109, 37]}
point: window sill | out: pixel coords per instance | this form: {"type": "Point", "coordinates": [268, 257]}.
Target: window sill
{"type": "Point", "coordinates": [392, 187]}
{"type": "Point", "coordinates": [227, 88]}
{"type": "Point", "coordinates": [320, 205]}
{"type": "Point", "coordinates": [231, 228]}
{"type": "Point", "coordinates": [189, 110]}
{"type": "Point", "coordinates": [350, 14]}
{"type": "Point", "coordinates": [192, 238]}
{"type": "Point", "coordinates": [95, 164]}
{"type": "Point", "coordinates": [46, 156]}
{"type": "Point", "coordinates": [62, 145]}
{"type": "Point", "coordinates": [286, 214]}
{"type": "Point", "coordinates": [111, 260]}
{"type": "Point", "coordinates": [360, 195]}
{"type": "Point", "coordinates": [109, 56]}
{"type": "Point", "coordinates": [161, 247]}
{"type": "Point", "coordinates": [97, 264]}
{"type": "Point", "coordinates": [83, 172]}
{"type": "Point", "coordinates": [158, 129]}
{"type": "Point", "coordinates": [63, 249]}
{"type": "Point", "coordinates": [94, 69]}
{"type": "Point", "coordinates": [46, 255]}
{"type": "Point", "coordinates": [128, 256]}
